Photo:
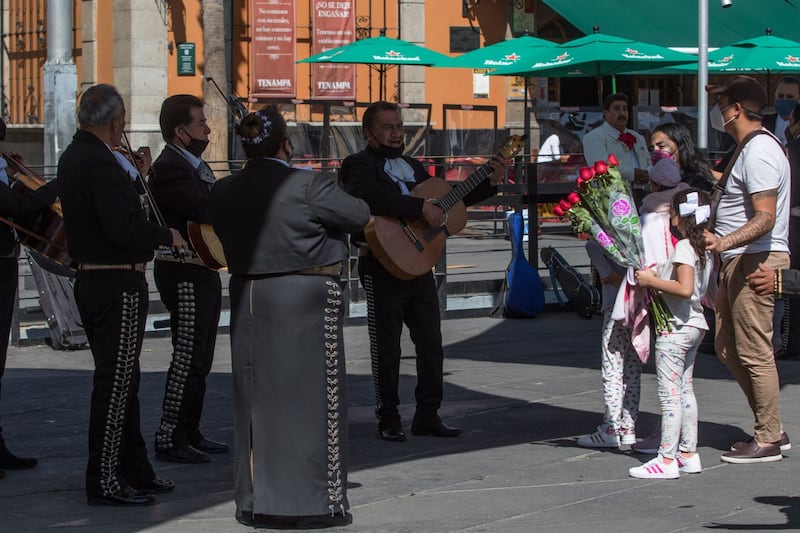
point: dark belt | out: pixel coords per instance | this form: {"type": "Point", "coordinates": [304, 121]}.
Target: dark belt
{"type": "Point", "coordinates": [138, 267]}
{"type": "Point", "coordinates": [334, 270]}
{"type": "Point", "coordinates": [327, 270]}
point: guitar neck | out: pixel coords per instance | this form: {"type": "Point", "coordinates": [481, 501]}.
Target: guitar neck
{"type": "Point", "coordinates": [465, 187]}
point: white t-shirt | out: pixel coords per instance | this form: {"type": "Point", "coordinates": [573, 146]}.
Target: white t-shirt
{"type": "Point", "coordinates": [761, 166]}
{"type": "Point", "coordinates": [687, 311]}
{"type": "Point", "coordinates": [550, 150]}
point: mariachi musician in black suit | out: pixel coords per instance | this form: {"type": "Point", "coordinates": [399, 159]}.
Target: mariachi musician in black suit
{"type": "Point", "coordinates": [13, 205]}
{"type": "Point", "coordinates": [383, 177]}
{"type": "Point", "coordinates": [109, 235]}
{"type": "Point", "coordinates": [180, 184]}
{"type": "Point", "coordinates": [283, 230]}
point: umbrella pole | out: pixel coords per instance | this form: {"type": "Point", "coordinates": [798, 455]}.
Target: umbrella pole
{"type": "Point", "coordinates": [613, 84]}
{"type": "Point", "coordinates": [600, 91]}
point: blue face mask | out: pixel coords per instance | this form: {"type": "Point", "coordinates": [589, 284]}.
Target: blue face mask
{"type": "Point", "coordinates": [784, 106]}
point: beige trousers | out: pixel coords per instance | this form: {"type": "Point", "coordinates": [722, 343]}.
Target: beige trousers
{"type": "Point", "coordinates": [744, 339]}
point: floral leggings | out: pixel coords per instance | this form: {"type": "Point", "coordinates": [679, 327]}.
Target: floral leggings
{"type": "Point", "coordinates": [622, 372]}
{"type": "Point", "coordinates": [675, 355]}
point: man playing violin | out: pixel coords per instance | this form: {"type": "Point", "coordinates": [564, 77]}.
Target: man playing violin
{"type": "Point", "coordinates": [13, 204]}
{"type": "Point", "coordinates": [109, 235]}
{"type": "Point", "coordinates": [190, 291]}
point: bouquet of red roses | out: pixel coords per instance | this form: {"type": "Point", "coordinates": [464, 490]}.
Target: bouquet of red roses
{"type": "Point", "coordinates": [603, 207]}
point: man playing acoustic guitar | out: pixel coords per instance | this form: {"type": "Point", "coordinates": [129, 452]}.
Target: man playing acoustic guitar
{"type": "Point", "coordinates": [383, 177]}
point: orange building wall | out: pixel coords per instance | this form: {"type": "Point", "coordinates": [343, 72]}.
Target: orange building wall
{"type": "Point", "coordinates": [185, 25]}
{"type": "Point", "coordinates": [443, 86]}
{"type": "Point", "coordinates": [454, 86]}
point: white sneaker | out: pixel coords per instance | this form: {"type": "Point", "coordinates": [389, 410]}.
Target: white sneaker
{"type": "Point", "coordinates": [655, 469]}
{"type": "Point", "coordinates": [599, 439]}
{"type": "Point", "coordinates": [628, 439]}
{"type": "Point", "coordinates": [689, 465]}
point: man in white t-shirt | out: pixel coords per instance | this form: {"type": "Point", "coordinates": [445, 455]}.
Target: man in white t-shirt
{"type": "Point", "coordinates": [751, 228]}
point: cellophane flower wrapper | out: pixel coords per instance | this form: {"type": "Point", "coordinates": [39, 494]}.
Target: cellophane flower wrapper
{"type": "Point", "coordinates": [607, 214]}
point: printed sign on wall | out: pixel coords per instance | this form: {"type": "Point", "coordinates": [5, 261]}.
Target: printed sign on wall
{"type": "Point", "coordinates": [334, 25]}
{"type": "Point", "coordinates": [272, 48]}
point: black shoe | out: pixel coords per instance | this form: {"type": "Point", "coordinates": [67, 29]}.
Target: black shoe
{"type": "Point", "coordinates": [211, 446]}
{"type": "Point", "coordinates": [184, 454]}
{"type": "Point", "coordinates": [392, 434]}
{"type": "Point", "coordinates": [155, 486]}
{"type": "Point", "coordinates": [124, 496]}
{"type": "Point", "coordinates": [294, 522]}
{"type": "Point", "coordinates": [437, 430]}
{"type": "Point", "coordinates": [9, 461]}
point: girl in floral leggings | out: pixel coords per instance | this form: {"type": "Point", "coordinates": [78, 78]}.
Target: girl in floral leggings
{"type": "Point", "coordinates": [682, 282]}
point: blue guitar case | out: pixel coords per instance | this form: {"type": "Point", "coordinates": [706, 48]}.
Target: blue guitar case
{"type": "Point", "coordinates": [524, 296]}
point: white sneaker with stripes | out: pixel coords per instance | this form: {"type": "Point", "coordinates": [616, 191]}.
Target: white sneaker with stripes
{"type": "Point", "coordinates": [599, 439]}
{"type": "Point", "coordinates": [656, 469]}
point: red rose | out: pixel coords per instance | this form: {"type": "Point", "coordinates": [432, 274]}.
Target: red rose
{"type": "Point", "coordinates": [573, 198]}
{"type": "Point", "coordinates": [558, 211]}
{"type": "Point", "coordinates": [612, 160]}
{"type": "Point", "coordinates": [565, 205]}
{"type": "Point", "coordinates": [587, 173]}
{"type": "Point", "coordinates": [600, 167]}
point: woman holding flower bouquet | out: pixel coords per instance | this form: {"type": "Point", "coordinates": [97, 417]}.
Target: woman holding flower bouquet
{"type": "Point", "coordinates": [682, 282]}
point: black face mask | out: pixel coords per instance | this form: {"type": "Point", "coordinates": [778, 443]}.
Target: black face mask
{"type": "Point", "coordinates": [391, 152]}
{"type": "Point", "coordinates": [196, 147]}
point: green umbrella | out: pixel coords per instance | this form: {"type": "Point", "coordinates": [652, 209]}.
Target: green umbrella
{"type": "Point", "coordinates": [765, 54]}
{"type": "Point", "coordinates": [596, 55]}
{"type": "Point", "coordinates": [380, 53]}
{"type": "Point", "coordinates": [503, 54]}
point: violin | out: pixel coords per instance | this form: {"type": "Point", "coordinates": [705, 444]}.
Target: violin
{"type": "Point", "coordinates": [140, 159]}
{"type": "Point", "coordinates": [26, 177]}
{"type": "Point", "coordinates": [45, 237]}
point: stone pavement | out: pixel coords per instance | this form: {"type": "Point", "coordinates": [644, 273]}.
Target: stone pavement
{"type": "Point", "coordinates": [521, 389]}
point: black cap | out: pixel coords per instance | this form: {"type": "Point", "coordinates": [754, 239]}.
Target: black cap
{"type": "Point", "coordinates": [743, 89]}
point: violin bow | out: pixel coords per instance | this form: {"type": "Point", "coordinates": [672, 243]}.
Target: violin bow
{"type": "Point", "coordinates": [177, 252]}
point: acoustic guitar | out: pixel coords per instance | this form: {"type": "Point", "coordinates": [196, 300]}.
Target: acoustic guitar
{"type": "Point", "coordinates": [206, 245]}
{"type": "Point", "coordinates": [409, 248]}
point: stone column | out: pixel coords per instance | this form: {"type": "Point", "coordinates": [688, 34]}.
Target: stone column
{"type": "Point", "coordinates": [60, 82]}
{"type": "Point", "coordinates": [140, 68]}
{"type": "Point", "coordinates": [412, 28]}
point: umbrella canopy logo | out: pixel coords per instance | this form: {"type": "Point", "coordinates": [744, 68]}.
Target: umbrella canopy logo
{"type": "Point", "coordinates": [632, 53]}
{"type": "Point", "coordinates": [557, 61]}
{"type": "Point", "coordinates": [791, 61]}
{"type": "Point", "coordinates": [392, 55]}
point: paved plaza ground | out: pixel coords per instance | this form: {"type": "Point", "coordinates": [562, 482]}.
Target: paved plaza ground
{"type": "Point", "coordinates": [521, 389]}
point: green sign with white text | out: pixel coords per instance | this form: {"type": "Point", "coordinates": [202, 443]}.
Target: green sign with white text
{"type": "Point", "coordinates": [186, 59]}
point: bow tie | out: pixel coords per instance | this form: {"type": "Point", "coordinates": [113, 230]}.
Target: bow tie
{"type": "Point", "coordinates": [628, 139]}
